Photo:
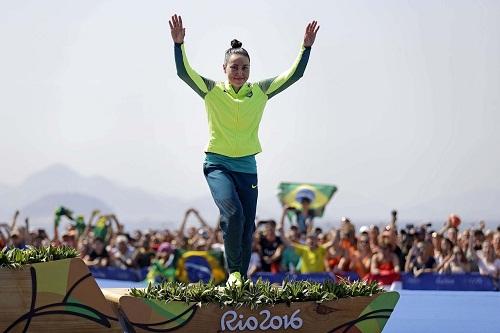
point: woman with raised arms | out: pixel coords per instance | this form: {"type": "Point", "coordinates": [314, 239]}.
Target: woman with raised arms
{"type": "Point", "coordinates": [234, 108]}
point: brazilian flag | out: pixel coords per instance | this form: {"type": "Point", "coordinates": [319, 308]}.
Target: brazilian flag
{"type": "Point", "coordinates": [101, 227]}
{"type": "Point", "coordinates": [291, 194]}
{"type": "Point", "coordinates": [60, 212]}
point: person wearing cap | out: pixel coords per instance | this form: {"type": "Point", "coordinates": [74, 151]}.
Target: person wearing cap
{"type": "Point", "coordinates": [364, 230]}
{"type": "Point", "coordinates": [234, 109]}
{"type": "Point", "coordinates": [122, 255]}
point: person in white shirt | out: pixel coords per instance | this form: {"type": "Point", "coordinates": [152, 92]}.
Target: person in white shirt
{"type": "Point", "coordinates": [486, 259]}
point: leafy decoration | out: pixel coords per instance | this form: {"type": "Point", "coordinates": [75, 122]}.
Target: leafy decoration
{"type": "Point", "coordinates": [15, 258]}
{"type": "Point", "coordinates": [256, 294]}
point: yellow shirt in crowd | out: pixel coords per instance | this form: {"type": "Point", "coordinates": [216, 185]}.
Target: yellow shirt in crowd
{"type": "Point", "coordinates": [312, 261]}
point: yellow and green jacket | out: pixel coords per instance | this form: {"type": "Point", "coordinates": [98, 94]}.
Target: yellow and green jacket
{"type": "Point", "coordinates": [234, 117]}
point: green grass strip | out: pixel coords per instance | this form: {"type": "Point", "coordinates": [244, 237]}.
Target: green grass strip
{"type": "Point", "coordinates": [15, 258]}
{"type": "Point", "coordinates": [256, 294]}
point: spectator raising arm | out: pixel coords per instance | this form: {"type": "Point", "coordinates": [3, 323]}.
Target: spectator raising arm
{"type": "Point", "coordinates": [93, 215]}
{"type": "Point", "coordinates": [119, 227]}
{"type": "Point", "coordinates": [27, 235]}
{"type": "Point", "coordinates": [180, 237]}
{"type": "Point", "coordinates": [334, 236]}
{"type": "Point", "coordinates": [14, 220]}
{"type": "Point", "coordinates": [281, 227]}
{"type": "Point", "coordinates": [7, 230]}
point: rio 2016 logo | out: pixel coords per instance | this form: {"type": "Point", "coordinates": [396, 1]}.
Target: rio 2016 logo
{"type": "Point", "coordinates": [231, 321]}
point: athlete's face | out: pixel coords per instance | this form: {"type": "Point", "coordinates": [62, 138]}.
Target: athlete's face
{"type": "Point", "coordinates": [237, 70]}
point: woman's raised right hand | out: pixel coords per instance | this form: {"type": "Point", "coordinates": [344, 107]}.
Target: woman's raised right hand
{"type": "Point", "coordinates": [176, 29]}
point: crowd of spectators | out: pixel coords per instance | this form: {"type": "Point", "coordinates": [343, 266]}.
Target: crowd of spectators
{"type": "Point", "coordinates": [293, 244]}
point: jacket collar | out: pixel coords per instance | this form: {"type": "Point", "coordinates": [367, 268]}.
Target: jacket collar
{"type": "Point", "coordinates": [244, 90]}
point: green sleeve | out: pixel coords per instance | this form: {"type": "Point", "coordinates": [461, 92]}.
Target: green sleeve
{"type": "Point", "coordinates": [279, 83]}
{"type": "Point", "coordinates": [197, 82]}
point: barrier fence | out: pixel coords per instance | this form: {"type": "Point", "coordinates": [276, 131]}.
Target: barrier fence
{"type": "Point", "coordinates": [425, 281]}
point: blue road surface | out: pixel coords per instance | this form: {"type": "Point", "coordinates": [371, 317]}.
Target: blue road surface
{"type": "Point", "coordinates": [424, 311]}
{"type": "Point", "coordinates": [446, 311]}
{"type": "Point", "coordinates": [120, 284]}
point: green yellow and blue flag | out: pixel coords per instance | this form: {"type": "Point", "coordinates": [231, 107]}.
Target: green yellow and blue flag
{"type": "Point", "coordinates": [291, 194]}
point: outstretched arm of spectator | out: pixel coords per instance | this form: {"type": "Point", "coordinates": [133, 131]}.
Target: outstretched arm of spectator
{"type": "Point", "coordinates": [395, 263]}
{"type": "Point", "coordinates": [447, 225]}
{"type": "Point", "coordinates": [310, 226]}
{"type": "Point", "coordinates": [444, 265]}
{"type": "Point", "coordinates": [374, 265]}
{"type": "Point", "coordinates": [180, 234]}
{"type": "Point", "coordinates": [202, 221]}
{"type": "Point", "coordinates": [277, 254]}
{"type": "Point", "coordinates": [56, 233]}
{"type": "Point", "coordinates": [472, 252]}
{"type": "Point", "coordinates": [111, 234]}
{"type": "Point", "coordinates": [119, 226]}
{"type": "Point", "coordinates": [3, 239]}
{"type": "Point", "coordinates": [6, 226]}
{"type": "Point", "coordinates": [333, 235]}
{"type": "Point", "coordinates": [93, 215]}
{"type": "Point", "coordinates": [89, 262]}
{"type": "Point", "coordinates": [281, 227]}
{"type": "Point", "coordinates": [14, 220]}
{"type": "Point", "coordinates": [27, 235]}
{"type": "Point", "coordinates": [212, 237]}
{"type": "Point", "coordinates": [409, 257]}
{"type": "Point", "coordinates": [417, 271]}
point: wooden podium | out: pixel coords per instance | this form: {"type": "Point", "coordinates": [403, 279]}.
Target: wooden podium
{"type": "Point", "coordinates": [62, 296]}
{"type": "Point", "coordinates": [56, 296]}
{"type": "Point", "coordinates": [364, 314]}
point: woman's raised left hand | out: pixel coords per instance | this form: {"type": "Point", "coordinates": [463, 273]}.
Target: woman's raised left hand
{"type": "Point", "coordinates": [310, 35]}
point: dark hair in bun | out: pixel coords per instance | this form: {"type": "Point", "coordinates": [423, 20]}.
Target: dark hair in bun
{"type": "Point", "coordinates": [236, 44]}
{"type": "Point", "coordinates": [236, 49]}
